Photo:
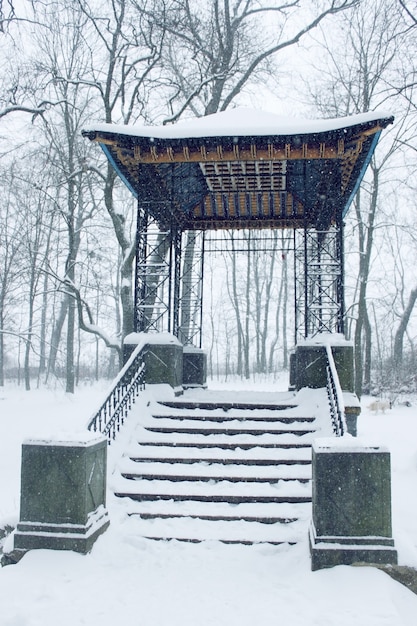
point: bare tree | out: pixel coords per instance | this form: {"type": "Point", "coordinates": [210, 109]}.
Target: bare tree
{"type": "Point", "coordinates": [402, 327]}
{"type": "Point", "coordinates": [129, 50]}
{"type": "Point", "coordinates": [214, 51]}
{"type": "Point", "coordinates": [281, 308]}
{"type": "Point", "coordinates": [411, 13]}
{"type": "Point", "coordinates": [36, 236]}
{"type": "Point", "coordinates": [364, 77]}
{"type": "Point", "coordinates": [21, 87]}
{"type": "Point", "coordinates": [11, 243]}
{"type": "Point", "coordinates": [6, 12]}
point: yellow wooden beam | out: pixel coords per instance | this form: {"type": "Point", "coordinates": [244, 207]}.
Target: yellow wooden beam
{"type": "Point", "coordinates": [154, 155]}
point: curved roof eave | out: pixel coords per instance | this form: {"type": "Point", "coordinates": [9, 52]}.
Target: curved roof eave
{"type": "Point", "coordinates": [118, 170]}
{"type": "Point", "coordinates": [241, 122]}
{"type": "Point", "coordinates": [361, 173]}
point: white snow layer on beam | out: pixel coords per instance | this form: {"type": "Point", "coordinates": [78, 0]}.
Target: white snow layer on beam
{"type": "Point", "coordinates": [241, 122]}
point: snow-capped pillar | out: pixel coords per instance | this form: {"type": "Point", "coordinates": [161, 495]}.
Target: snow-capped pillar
{"type": "Point", "coordinates": [194, 367]}
{"type": "Point", "coordinates": [311, 361]}
{"type": "Point", "coordinates": [63, 494]}
{"type": "Point", "coordinates": [162, 355]}
{"type": "Point", "coordinates": [309, 369]}
{"type": "Point", "coordinates": [351, 504]}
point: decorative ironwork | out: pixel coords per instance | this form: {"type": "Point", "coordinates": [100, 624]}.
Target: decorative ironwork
{"type": "Point", "coordinates": [127, 386]}
{"type": "Point", "coordinates": [153, 275]}
{"type": "Point", "coordinates": [191, 291]}
{"type": "Point", "coordinates": [335, 396]}
{"type": "Point", "coordinates": [319, 298]}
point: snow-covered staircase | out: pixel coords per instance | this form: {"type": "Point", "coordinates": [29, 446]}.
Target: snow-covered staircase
{"type": "Point", "coordinates": [220, 469]}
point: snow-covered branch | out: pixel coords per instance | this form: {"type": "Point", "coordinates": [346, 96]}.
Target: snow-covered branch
{"type": "Point", "coordinates": [84, 311]}
{"type": "Point", "coordinates": [39, 109]}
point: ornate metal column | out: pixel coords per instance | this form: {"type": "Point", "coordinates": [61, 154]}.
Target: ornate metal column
{"type": "Point", "coordinates": [169, 279]}
{"type": "Point", "coordinates": [191, 288]}
{"type": "Point", "coordinates": [153, 275]}
{"type": "Point", "coordinates": [319, 292]}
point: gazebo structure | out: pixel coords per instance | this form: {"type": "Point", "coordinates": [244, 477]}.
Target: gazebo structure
{"type": "Point", "coordinates": [237, 169]}
{"type": "Point", "coordinates": [234, 170]}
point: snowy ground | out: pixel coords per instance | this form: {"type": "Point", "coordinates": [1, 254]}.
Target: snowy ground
{"type": "Point", "coordinates": [138, 582]}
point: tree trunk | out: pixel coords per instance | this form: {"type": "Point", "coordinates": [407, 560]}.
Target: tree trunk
{"type": "Point", "coordinates": [45, 309]}
{"type": "Point", "coordinates": [246, 343]}
{"type": "Point", "coordinates": [42, 346]}
{"type": "Point", "coordinates": [1, 345]}
{"type": "Point", "coordinates": [281, 305]}
{"type": "Point", "coordinates": [400, 332]}
{"type": "Point", "coordinates": [367, 364]}
{"type": "Point", "coordinates": [285, 312]}
{"type": "Point", "coordinates": [56, 338]}
{"type": "Point", "coordinates": [366, 238]}
{"type": "Point", "coordinates": [186, 321]}
{"type": "Point", "coordinates": [32, 295]}
{"type": "Point", "coordinates": [127, 252]}
{"type": "Point", "coordinates": [267, 304]}
{"type": "Point", "coordinates": [70, 361]}
{"type": "Point", "coordinates": [233, 294]}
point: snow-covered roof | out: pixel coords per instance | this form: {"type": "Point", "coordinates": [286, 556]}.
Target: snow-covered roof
{"type": "Point", "coordinates": [241, 122]}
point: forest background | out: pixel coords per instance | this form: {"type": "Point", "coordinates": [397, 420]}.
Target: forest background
{"type": "Point", "coordinates": [67, 224]}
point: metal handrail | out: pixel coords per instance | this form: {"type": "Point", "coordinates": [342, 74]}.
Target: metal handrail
{"type": "Point", "coordinates": [118, 402]}
{"type": "Point", "coordinates": [335, 396]}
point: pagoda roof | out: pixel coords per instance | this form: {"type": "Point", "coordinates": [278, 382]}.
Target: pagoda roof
{"type": "Point", "coordinates": [244, 168]}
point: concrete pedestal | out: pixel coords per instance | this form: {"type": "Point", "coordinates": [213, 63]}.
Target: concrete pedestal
{"type": "Point", "coordinates": [163, 364]}
{"type": "Point", "coordinates": [63, 494]}
{"type": "Point", "coordinates": [352, 412]}
{"type": "Point", "coordinates": [309, 369]}
{"type": "Point", "coordinates": [194, 367]}
{"type": "Point", "coordinates": [163, 357]}
{"type": "Point", "coordinates": [351, 504]}
{"type": "Point", "coordinates": [293, 372]}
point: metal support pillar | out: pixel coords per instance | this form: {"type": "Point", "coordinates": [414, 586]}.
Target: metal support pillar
{"type": "Point", "coordinates": [300, 284]}
{"type": "Point", "coordinates": [176, 280]}
{"type": "Point", "coordinates": [153, 275]}
{"type": "Point", "coordinates": [191, 289]}
{"type": "Point", "coordinates": [319, 293]}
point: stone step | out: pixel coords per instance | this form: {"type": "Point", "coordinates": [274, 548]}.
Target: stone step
{"type": "Point", "coordinates": [266, 419]}
{"type": "Point", "coordinates": [227, 405]}
{"type": "Point", "coordinates": [231, 531]}
{"type": "Point", "coordinates": [269, 513]}
{"type": "Point", "coordinates": [258, 462]}
{"type": "Point", "coordinates": [223, 445]}
{"type": "Point", "coordinates": [220, 490]}
{"type": "Point", "coordinates": [206, 429]}
{"type": "Point", "coordinates": [217, 518]}
{"type": "Point", "coordinates": [200, 478]}
{"type": "Point", "coordinates": [215, 471]}
{"type": "Point", "coordinates": [240, 454]}
{"type": "Point", "coordinates": [237, 472]}
{"type": "Point", "coordinates": [201, 497]}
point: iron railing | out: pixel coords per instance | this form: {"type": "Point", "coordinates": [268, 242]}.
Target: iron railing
{"type": "Point", "coordinates": [335, 396]}
{"type": "Point", "coordinates": [113, 411]}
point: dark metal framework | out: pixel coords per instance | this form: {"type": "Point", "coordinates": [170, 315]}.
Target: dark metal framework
{"type": "Point", "coordinates": [319, 290]}
{"type": "Point", "coordinates": [154, 277]}
{"type": "Point", "coordinates": [188, 183]}
{"type": "Point", "coordinates": [169, 280]}
{"type": "Point", "coordinates": [190, 297]}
